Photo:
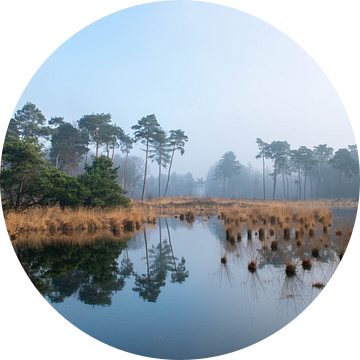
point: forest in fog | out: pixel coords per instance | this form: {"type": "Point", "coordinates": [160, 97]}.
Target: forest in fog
{"type": "Point", "coordinates": [286, 173]}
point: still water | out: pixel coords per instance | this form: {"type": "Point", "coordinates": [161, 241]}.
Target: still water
{"type": "Point", "coordinates": [166, 294]}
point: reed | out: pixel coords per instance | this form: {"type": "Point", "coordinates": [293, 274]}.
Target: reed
{"type": "Point", "coordinates": [274, 245]}
{"type": "Point", "coordinates": [290, 269]}
{"type": "Point", "coordinates": [252, 266]}
{"type": "Point", "coordinates": [306, 264]}
{"type": "Point", "coordinates": [190, 216]}
{"type": "Point", "coordinates": [318, 285]}
{"type": "Point", "coordinates": [286, 234]}
{"type": "Point", "coordinates": [315, 251]}
{"type": "Point", "coordinates": [261, 234]}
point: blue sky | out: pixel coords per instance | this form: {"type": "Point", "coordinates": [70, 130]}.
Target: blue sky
{"type": "Point", "coordinates": [221, 75]}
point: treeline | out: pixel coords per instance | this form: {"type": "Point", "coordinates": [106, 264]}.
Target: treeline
{"type": "Point", "coordinates": [29, 172]}
{"type": "Point", "coordinates": [304, 173]}
{"type": "Point", "coordinates": [76, 149]}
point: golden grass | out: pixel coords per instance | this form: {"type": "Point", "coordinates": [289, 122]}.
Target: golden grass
{"type": "Point", "coordinates": [38, 224]}
{"type": "Point", "coordinates": [306, 264]}
{"type": "Point", "coordinates": [252, 266]}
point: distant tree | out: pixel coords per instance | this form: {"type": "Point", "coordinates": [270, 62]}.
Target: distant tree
{"type": "Point", "coordinates": [95, 126]}
{"type": "Point", "coordinates": [200, 184]}
{"type": "Point", "coordinates": [126, 144]}
{"type": "Point", "coordinates": [160, 154]}
{"type": "Point", "coordinates": [147, 131]}
{"type": "Point", "coordinates": [29, 122]}
{"type": "Point", "coordinates": [177, 140]}
{"type": "Point", "coordinates": [101, 180]}
{"type": "Point", "coordinates": [228, 166]}
{"type": "Point", "coordinates": [277, 151]}
{"type": "Point", "coordinates": [112, 135]}
{"type": "Point", "coordinates": [68, 146]}
{"type": "Point", "coordinates": [344, 163]}
{"type": "Point", "coordinates": [308, 162]}
{"type": "Point", "coordinates": [190, 183]}
{"type": "Point", "coordinates": [322, 154]}
{"type": "Point", "coordinates": [261, 155]}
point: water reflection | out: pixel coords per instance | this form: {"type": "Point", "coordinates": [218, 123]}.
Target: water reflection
{"type": "Point", "coordinates": [151, 268]}
{"type": "Point", "coordinates": [93, 273]}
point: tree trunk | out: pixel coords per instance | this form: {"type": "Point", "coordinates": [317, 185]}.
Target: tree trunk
{"type": "Point", "coordinates": [168, 179]}
{"type": "Point", "coordinates": [287, 187]}
{"type": "Point", "coordinates": [160, 178]}
{"type": "Point", "coordinates": [263, 157]}
{"type": "Point", "coordinates": [97, 149]}
{"type": "Point", "coordinates": [283, 176]}
{"type": "Point", "coordinates": [229, 188]}
{"type": "Point", "coordinates": [123, 179]}
{"type": "Point", "coordinates": [87, 152]}
{"type": "Point", "coordinates": [275, 174]}
{"type": "Point", "coordinates": [299, 177]}
{"type": "Point", "coordinates": [57, 159]}
{"type": "Point", "coordinates": [172, 251]}
{"type": "Point", "coordinates": [146, 163]}
{"type": "Point", "coordinates": [147, 254]}
{"type": "Point", "coordinates": [304, 185]}
{"type": "Point", "coordinates": [339, 186]}
{"type": "Point", "coordinates": [113, 154]}
{"type": "Point", "coordinates": [224, 187]}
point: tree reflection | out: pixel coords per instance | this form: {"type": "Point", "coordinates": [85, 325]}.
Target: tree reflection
{"type": "Point", "coordinates": [59, 271]}
{"type": "Point", "coordinates": [160, 260]}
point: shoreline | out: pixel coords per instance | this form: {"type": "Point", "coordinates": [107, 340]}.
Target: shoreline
{"type": "Point", "coordinates": [36, 225]}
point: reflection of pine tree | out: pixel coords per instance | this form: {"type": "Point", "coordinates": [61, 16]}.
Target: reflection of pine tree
{"type": "Point", "coordinates": [126, 266]}
{"type": "Point", "coordinates": [148, 286]}
{"type": "Point", "coordinates": [161, 259]}
{"type": "Point", "coordinates": [180, 273]}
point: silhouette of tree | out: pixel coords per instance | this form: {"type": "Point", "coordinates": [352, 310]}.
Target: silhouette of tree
{"type": "Point", "coordinates": [147, 131]}
{"type": "Point", "coordinates": [126, 144]}
{"type": "Point", "coordinates": [261, 155]}
{"type": "Point", "coordinates": [344, 163]}
{"type": "Point", "coordinates": [277, 151]}
{"type": "Point", "coordinates": [95, 126]}
{"type": "Point", "coordinates": [322, 154]}
{"type": "Point", "coordinates": [177, 140]}
{"type": "Point", "coordinates": [227, 167]}
{"type": "Point", "coordinates": [160, 154]}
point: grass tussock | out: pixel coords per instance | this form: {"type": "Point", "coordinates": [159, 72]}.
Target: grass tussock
{"type": "Point", "coordinates": [252, 266]}
{"type": "Point", "coordinates": [53, 221]}
{"type": "Point", "coordinates": [223, 259]}
{"type": "Point", "coordinates": [290, 270]}
{"type": "Point", "coordinates": [315, 251]}
{"type": "Point", "coordinates": [274, 245]}
{"type": "Point", "coordinates": [318, 285]}
{"type": "Point", "coordinates": [306, 264]}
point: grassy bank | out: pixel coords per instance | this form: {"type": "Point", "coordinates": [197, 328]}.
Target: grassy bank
{"type": "Point", "coordinates": [81, 225]}
{"type": "Point", "coordinates": [213, 206]}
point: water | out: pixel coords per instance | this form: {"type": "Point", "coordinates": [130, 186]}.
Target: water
{"type": "Point", "coordinates": [166, 294]}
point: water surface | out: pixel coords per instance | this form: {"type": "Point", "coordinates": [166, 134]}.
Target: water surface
{"type": "Point", "coordinates": [166, 294]}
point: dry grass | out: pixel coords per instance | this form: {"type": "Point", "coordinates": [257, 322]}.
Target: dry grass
{"type": "Point", "coordinates": [306, 264]}
{"type": "Point", "coordinates": [290, 270]}
{"type": "Point", "coordinates": [252, 266]}
{"type": "Point", "coordinates": [214, 206]}
{"type": "Point", "coordinates": [318, 285]}
{"type": "Point", "coordinates": [38, 224]}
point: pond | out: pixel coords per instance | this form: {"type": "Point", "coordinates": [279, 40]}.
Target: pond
{"type": "Point", "coordinates": [166, 293]}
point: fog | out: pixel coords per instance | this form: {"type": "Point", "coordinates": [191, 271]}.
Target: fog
{"type": "Point", "coordinates": [222, 76]}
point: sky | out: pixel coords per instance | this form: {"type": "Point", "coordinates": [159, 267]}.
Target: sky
{"type": "Point", "coordinates": [221, 75]}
